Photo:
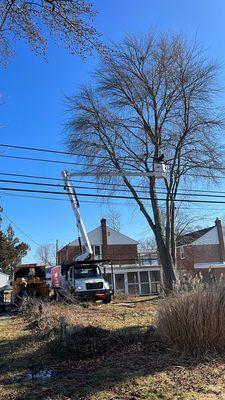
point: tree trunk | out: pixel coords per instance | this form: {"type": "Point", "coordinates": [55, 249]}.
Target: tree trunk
{"type": "Point", "coordinates": [173, 237]}
{"type": "Point", "coordinates": [163, 243]}
{"type": "Point", "coordinates": [167, 263]}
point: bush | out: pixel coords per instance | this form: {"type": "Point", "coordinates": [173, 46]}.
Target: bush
{"type": "Point", "coordinates": [194, 322]}
{"type": "Point", "coordinates": [45, 316]}
{"type": "Point", "coordinates": [82, 342]}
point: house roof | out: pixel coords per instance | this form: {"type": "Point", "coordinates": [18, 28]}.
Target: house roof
{"type": "Point", "coordinates": [190, 237]}
{"type": "Point", "coordinates": [113, 237]}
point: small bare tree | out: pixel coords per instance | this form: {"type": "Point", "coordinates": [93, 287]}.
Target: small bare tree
{"type": "Point", "coordinates": [185, 222]}
{"type": "Point", "coordinates": [46, 254]}
{"type": "Point", "coordinates": [68, 21]}
{"type": "Point", "coordinates": [154, 95]}
{"type": "Point", "coordinates": [147, 244]}
{"type": "Point", "coordinates": [114, 218]}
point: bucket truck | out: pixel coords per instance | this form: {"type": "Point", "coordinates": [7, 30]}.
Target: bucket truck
{"type": "Point", "coordinates": [83, 277]}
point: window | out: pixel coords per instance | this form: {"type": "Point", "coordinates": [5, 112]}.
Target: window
{"type": "Point", "coordinates": [96, 251]}
{"type": "Point", "coordinates": [144, 281]}
{"type": "Point", "coordinates": [120, 282]}
{"type": "Point", "coordinates": [155, 288]}
{"type": "Point", "coordinates": [87, 272]}
{"type": "Point", "coordinates": [144, 276]}
{"type": "Point", "coordinates": [133, 283]}
{"type": "Point", "coordinates": [132, 277]}
{"type": "Point", "coordinates": [155, 276]}
{"type": "Point", "coordinates": [181, 249]}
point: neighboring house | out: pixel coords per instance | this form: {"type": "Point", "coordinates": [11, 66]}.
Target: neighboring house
{"type": "Point", "coordinates": [133, 273]}
{"type": "Point", "coordinates": [106, 244]}
{"type": "Point", "coordinates": [4, 281]}
{"type": "Point", "coordinates": [202, 251]}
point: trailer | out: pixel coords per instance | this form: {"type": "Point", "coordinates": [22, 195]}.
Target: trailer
{"type": "Point", "coordinates": [29, 280]}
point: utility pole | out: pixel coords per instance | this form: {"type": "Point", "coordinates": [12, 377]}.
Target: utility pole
{"type": "Point", "coordinates": [56, 251]}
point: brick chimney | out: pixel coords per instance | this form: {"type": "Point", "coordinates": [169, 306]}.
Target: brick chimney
{"type": "Point", "coordinates": [104, 239]}
{"type": "Point", "coordinates": [221, 240]}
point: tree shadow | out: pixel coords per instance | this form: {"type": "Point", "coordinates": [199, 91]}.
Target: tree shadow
{"type": "Point", "coordinates": [73, 378]}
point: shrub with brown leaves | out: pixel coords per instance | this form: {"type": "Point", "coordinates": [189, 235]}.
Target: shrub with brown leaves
{"type": "Point", "coordinates": [194, 322]}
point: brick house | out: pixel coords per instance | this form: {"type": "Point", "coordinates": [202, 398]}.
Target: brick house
{"type": "Point", "coordinates": [202, 251]}
{"type": "Point", "coordinates": [106, 244]}
{"type": "Point", "coordinates": [133, 273]}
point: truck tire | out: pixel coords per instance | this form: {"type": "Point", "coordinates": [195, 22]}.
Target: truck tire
{"type": "Point", "coordinates": [107, 299]}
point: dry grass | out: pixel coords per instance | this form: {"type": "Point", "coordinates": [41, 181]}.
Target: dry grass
{"type": "Point", "coordinates": [134, 312]}
{"type": "Point", "coordinates": [194, 321]}
{"type": "Point", "coordinates": [143, 370]}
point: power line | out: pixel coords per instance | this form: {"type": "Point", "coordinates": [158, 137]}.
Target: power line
{"type": "Point", "coordinates": [47, 160]}
{"type": "Point", "coordinates": [39, 197]}
{"type": "Point", "coordinates": [98, 183]}
{"type": "Point", "coordinates": [53, 151]}
{"type": "Point", "coordinates": [19, 229]}
{"type": "Point", "coordinates": [135, 172]}
{"type": "Point", "coordinates": [96, 202]}
{"type": "Point", "coordinates": [111, 196]}
{"type": "Point", "coordinates": [105, 173]}
{"type": "Point", "coordinates": [107, 189]}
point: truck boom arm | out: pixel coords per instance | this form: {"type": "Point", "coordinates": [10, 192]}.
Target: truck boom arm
{"type": "Point", "coordinates": [75, 205]}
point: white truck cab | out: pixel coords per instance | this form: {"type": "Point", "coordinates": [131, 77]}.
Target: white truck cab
{"type": "Point", "coordinates": [83, 279]}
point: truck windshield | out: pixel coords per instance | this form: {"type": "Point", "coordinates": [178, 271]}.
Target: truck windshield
{"type": "Point", "coordinates": [87, 272]}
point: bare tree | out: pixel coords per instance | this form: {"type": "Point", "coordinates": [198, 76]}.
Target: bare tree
{"type": "Point", "coordinates": [185, 222]}
{"type": "Point", "coordinates": [114, 218]}
{"type": "Point", "coordinates": [147, 244]}
{"type": "Point", "coordinates": [46, 254]}
{"type": "Point", "coordinates": [68, 21]}
{"type": "Point", "coordinates": [154, 95]}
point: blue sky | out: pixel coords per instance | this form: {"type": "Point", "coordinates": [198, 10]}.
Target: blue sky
{"type": "Point", "coordinates": [33, 109]}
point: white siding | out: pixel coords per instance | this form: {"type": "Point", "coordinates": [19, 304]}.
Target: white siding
{"type": "Point", "coordinates": [113, 237]}
{"type": "Point", "coordinates": [209, 265]}
{"type": "Point", "coordinates": [4, 279]}
{"type": "Point", "coordinates": [210, 237]}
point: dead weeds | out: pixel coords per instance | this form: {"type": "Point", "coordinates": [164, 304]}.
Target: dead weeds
{"type": "Point", "coordinates": [139, 370]}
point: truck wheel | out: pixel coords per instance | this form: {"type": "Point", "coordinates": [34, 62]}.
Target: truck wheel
{"type": "Point", "coordinates": [107, 300]}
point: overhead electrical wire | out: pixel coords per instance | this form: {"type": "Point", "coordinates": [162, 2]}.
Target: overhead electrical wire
{"type": "Point", "coordinates": [115, 185]}
{"type": "Point", "coordinates": [106, 172]}
{"type": "Point", "coordinates": [107, 189]}
{"type": "Point", "coordinates": [99, 202]}
{"type": "Point", "coordinates": [47, 160]}
{"type": "Point", "coordinates": [111, 196]}
{"type": "Point", "coordinates": [53, 151]}
{"type": "Point", "coordinates": [19, 229]}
